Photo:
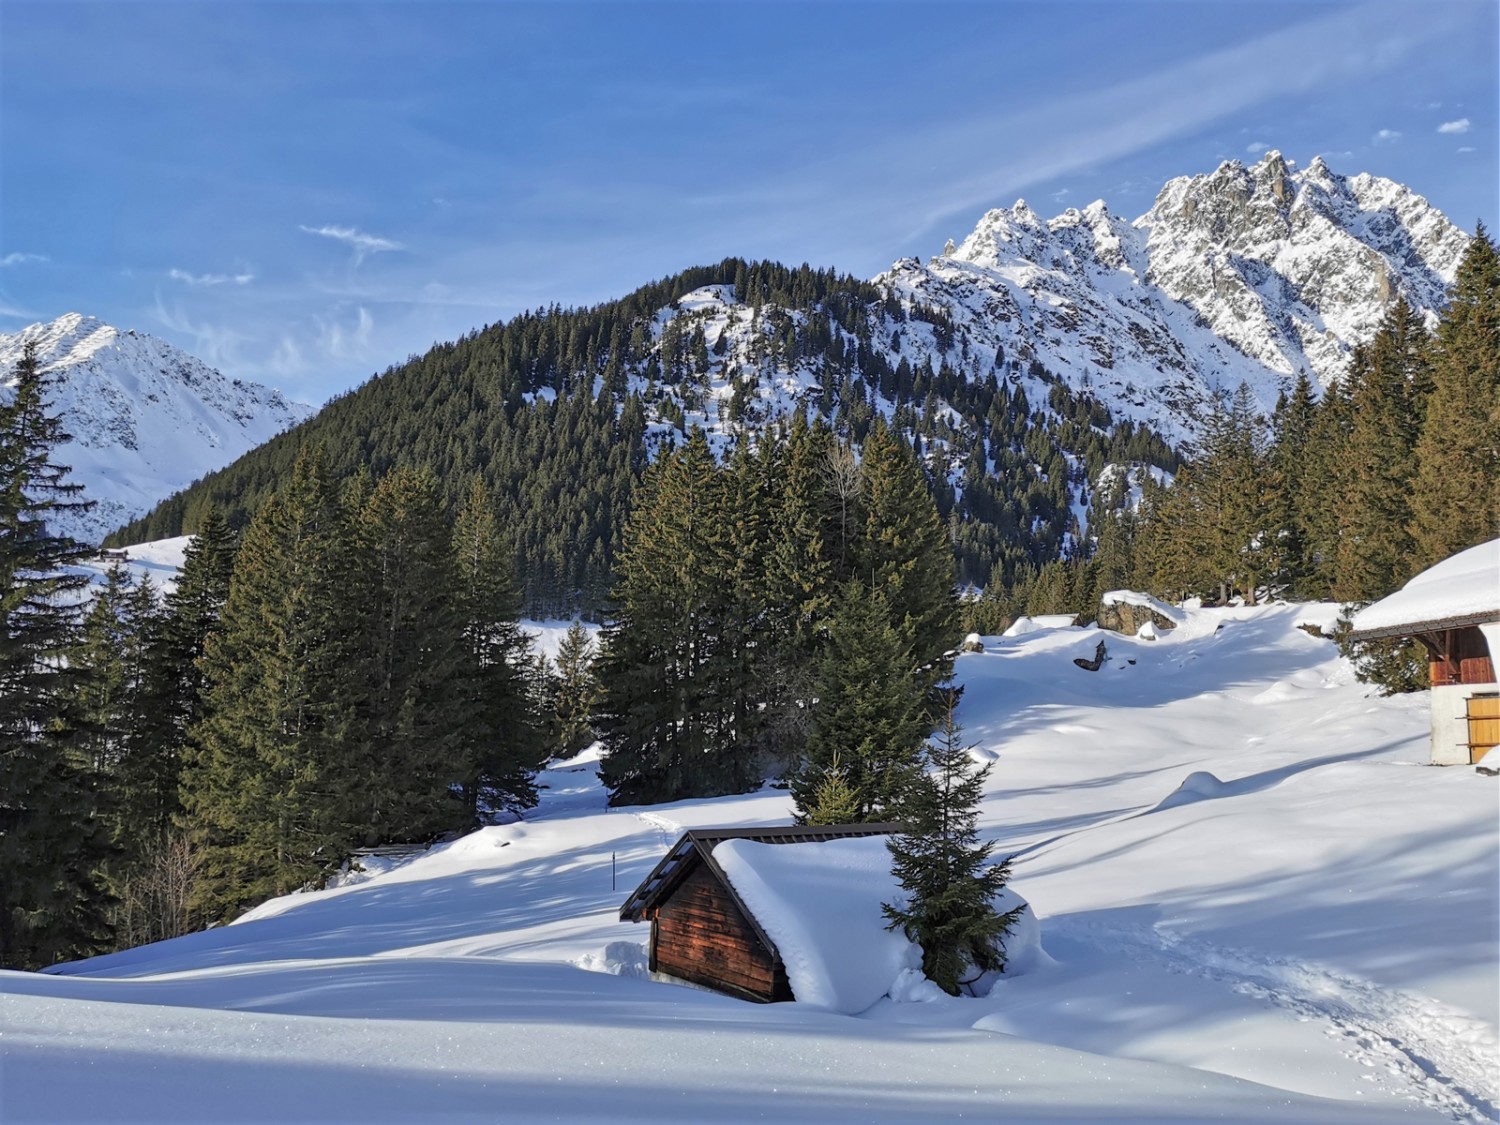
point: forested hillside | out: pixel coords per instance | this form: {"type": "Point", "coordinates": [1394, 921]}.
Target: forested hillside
{"type": "Point", "coordinates": [558, 412]}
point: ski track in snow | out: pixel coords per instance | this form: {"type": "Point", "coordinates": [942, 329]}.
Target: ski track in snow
{"type": "Point", "coordinates": [670, 830]}
{"type": "Point", "coordinates": [1445, 1059]}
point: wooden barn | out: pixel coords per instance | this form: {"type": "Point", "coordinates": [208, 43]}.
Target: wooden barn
{"type": "Point", "coordinates": [701, 930]}
{"type": "Point", "coordinates": [1453, 611]}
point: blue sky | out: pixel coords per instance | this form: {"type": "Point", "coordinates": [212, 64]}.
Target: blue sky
{"type": "Point", "coordinates": [305, 193]}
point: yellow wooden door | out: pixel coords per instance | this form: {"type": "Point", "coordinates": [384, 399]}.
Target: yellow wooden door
{"type": "Point", "coordinates": [1484, 725]}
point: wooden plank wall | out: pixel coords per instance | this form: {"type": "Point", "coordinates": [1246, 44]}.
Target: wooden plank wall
{"type": "Point", "coordinates": [1459, 656]}
{"type": "Point", "coordinates": [701, 935]}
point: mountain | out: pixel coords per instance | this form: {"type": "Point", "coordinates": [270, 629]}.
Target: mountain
{"type": "Point", "coordinates": [1023, 363]}
{"type": "Point", "coordinates": [146, 418]}
{"type": "Point", "coordinates": [1242, 275]}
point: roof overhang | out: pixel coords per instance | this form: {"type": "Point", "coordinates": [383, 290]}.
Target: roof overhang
{"type": "Point", "coordinates": [1417, 628]}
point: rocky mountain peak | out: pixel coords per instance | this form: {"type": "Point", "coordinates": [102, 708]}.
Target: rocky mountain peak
{"type": "Point", "coordinates": [145, 417]}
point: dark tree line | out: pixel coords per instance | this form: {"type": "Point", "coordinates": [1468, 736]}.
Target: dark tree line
{"type": "Point", "coordinates": [558, 412]}
{"type": "Point", "coordinates": [349, 671]}
{"type": "Point", "coordinates": [743, 590]}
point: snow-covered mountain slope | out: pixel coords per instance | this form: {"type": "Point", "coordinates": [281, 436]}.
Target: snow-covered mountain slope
{"type": "Point", "coordinates": [146, 418]}
{"type": "Point", "coordinates": [1257, 902]}
{"type": "Point", "coordinates": [1245, 274]}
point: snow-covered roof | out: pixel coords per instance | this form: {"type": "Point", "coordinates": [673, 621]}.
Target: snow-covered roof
{"type": "Point", "coordinates": [1462, 590]}
{"type": "Point", "coordinates": [821, 907]}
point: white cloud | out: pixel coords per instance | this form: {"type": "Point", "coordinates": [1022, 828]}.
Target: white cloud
{"type": "Point", "coordinates": [1386, 136]}
{"type": "Point", "coordinates": [1459, 126]}
{"type": "Point", "coordinates": [20, 259]}
{"type": "Point", "coordinates": [215, 344]}
{"type": "Point", "coordinates": [209, 279]}
{"type": "Point", "coordinates": [363, 244]}
{"type": "Point", "coordinates": [1255, 148]}
{"type": "Point", "coordinates": [1465, 148]}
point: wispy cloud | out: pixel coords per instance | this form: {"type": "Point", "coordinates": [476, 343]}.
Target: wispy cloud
{"type": "Point", "coordinates": [1255, 148]}
{"type": "Point", "coordinates": [1386, 136]}
{"type": "Point", "coordinates": [345, 342]}
{"type": "Point", "coordinates": [20, 259]}
{"type": "Point", "coordinates": [363, 244]}
{"type": "Point", "coordinates": [15, 312]}
{"type": "Point", "coordinates": [1054, 139]}
{"type": "Point", "coordinates": [210, 279]}
{"type": "Point", "coordinates": [215, 344]}
{"type": "Point", "coordinates": [1465, 148]}
{"type": "Point", "coordinates": [1459, 126]}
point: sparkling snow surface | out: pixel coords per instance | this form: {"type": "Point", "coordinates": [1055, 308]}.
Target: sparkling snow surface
{"type": "Point", "coordinates": [1259, 905]}
{"type": "Point", "coordinates": [1465, 584]}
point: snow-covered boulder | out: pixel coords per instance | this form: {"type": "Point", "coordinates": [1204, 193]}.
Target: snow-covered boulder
{"type": "Point", "coordinates": [1128, 611]}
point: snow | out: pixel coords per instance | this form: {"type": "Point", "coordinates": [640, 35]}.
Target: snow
{"type": "Point", "coordinates": [159, 560]}
{"type": "Point", "coordinates": [1024, 624]}
{"type": "Point", "coordinates": [1466, 585]}
{"type": "Point", "coordinates": [1305, 932]}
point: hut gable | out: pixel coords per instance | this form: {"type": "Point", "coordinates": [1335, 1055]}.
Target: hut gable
{"type": "Point", "coordinates": [701, 929]}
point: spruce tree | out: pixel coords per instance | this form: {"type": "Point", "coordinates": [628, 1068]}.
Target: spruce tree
{"type": "Point", "coordinates": [904, 553]}
{"type": "Point", "coordinates": [412, 658]}
{"type": "Point", "coordinates": [268, 791]}
{"type": "Point", "coordinates": [870, 714]}
{"type": "Point", "coordinates": [1387, 381]}
{"type": "Point", "coordinates": [575, 691]}
{"type": "Point", "coordinates": [499, 739]}
{"type": "Point", "coordinates": [1455, 497]}
{"type": "Point", "coordinates": [190, 612]}
{"type": "Point", "coordinates": [945, 869]}
{"type": "Point", "coordinates": [54, 842]}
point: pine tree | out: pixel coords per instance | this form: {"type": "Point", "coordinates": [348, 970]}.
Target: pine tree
{"type": "Point", "coordinates": [662, 716]}
{"type": "Point", "coordinates": [834, 800]}
{"type": "Point", "coordinates": [267, 791]}
{"type": "Point", "coordinates": [412, 619]}
{"type": "Point", "coordinates": [54, 842]}
{"type": "Point", "coordinates": [575, 692]}
{"type": "Point", "coordinates": [870, 714]}
{"type": "Point", "coordinates": [500, 741]}
{"type": "Point", "coordinates": [190, 612]}
{"type": "Point", "coordinates": [1455, 498]}
{"type": "Point", "coordinates": [903, 551]}
{"type": "Point", "coordinates": [1387, 381]}
{"type": "Point", "coordinates": [944, 868]}
{"type": "Point", "coordinates": [1294, 489]}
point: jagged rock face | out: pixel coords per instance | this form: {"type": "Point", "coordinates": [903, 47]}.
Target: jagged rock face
{"type": "Point", "coordinates": [1243, 275]}
{"type": "Point", "coordinates": [145, 418]}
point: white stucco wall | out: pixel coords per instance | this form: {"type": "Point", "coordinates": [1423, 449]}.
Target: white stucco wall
{"type": "Point", "coordinates": [1450, 722]}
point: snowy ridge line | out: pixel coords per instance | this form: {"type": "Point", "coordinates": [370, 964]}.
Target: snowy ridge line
{"type": "Point", "coordinates": [1444, 1058]}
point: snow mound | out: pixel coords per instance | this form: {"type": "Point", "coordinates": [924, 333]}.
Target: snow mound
{"type": "Point", "coordinates": [619, 959]}
{"type": "Point", "coordinates": [1024, 624]}
{"type": "Point", "coordinates": [1197, 786]}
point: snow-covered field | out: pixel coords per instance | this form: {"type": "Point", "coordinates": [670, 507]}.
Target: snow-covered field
{"type": "Point", "coordinates": [1256, 900]}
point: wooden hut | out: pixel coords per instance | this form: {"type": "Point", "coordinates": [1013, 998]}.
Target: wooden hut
{"type": "Point", "coordinates": [1453, 611]}
{"type": "Point", "coordinates": [701, 930]}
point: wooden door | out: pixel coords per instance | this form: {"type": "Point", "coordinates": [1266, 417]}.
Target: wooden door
{"type": "Point", "coordinates": [1484, 724]}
